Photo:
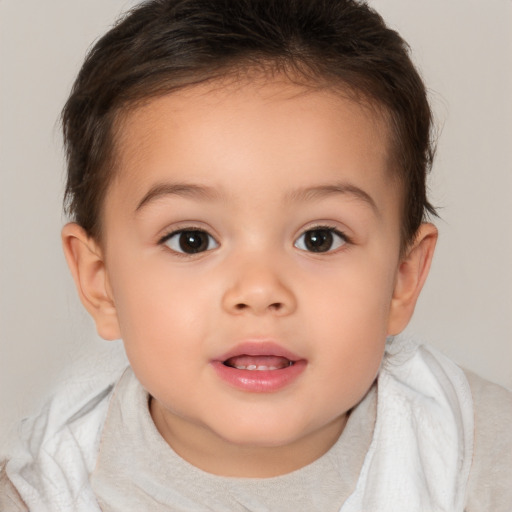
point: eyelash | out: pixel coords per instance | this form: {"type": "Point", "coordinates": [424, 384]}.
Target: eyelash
{"type": "Point", "coordinates": [193, 230]}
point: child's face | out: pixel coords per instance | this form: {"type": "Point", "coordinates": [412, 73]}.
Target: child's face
{"type": "Point", "coordinates": [254, 226]}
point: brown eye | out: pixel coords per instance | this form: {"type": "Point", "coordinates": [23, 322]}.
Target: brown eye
{"type": "Point", "coordinates": [320, 240]}
{"type": "Point", "coordinates": [190, 241]}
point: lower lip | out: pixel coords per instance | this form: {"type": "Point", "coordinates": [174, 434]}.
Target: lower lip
{"type": "Point", "coordinates": [259, 381]}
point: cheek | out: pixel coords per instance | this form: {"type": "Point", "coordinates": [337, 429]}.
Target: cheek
{"type": "Point", "coordinates": [165, 312]}
{"type": "Point", "coordinates": [161, 333]}
{"type": "Point", "coordinates": [350, 318]}
{"type": "Point", "coordinates": [356, 295]}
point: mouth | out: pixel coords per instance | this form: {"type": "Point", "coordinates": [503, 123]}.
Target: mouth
{"type": "Point", "coordinates": [259, 356]}
{"type": "Point", "coordinates": [259, 367]}
{"type": "Point", "coordinates": [258, 363]}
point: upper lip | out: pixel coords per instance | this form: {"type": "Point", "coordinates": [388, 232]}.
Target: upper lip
{"type": "Point", "coordinates": [259, 348]}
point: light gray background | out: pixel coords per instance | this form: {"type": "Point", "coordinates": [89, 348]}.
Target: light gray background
{"type": "Point", "coordinates": [464, 49]}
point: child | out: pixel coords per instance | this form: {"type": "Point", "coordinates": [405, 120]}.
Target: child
{"type": "Point", "coordinates": [247, 186]}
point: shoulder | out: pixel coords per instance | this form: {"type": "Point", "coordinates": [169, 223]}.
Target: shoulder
{"type": "Point", "coordinates": [10, 500]}
{"type": "Point", "coordinates": [490, 479]}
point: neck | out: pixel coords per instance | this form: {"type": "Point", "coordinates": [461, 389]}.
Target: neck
{"type": "Point", "coordinates": [213, 454]}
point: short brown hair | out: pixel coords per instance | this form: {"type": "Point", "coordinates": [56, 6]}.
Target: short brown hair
{"type": "Point", "coordinates": [163, 45]}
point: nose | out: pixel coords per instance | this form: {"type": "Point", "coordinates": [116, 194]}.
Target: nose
{"type": "Point", "coordinates": [258, 288]}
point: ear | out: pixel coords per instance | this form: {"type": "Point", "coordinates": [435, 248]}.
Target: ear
{"type": "Point", "coordinates": [411, 275]}
{"type": "Point", "coordinates": [87, 265]}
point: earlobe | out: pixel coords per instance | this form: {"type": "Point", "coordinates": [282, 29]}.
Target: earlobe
{"type": "Point", "coordinates": [85, 260]}
{"type": "Point", "coordinates": [411, 275]}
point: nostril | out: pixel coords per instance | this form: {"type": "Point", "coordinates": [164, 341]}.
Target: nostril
{"type": "Point", "coordinates": [275, 306]}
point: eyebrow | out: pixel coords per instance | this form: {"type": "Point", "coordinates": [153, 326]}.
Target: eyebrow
{"type": "Point", "coordinates": [178, 189]}
{"type": "Point", "coordinates": [347, 189]}
{"type": "Point", "coordinates": [310, 193]}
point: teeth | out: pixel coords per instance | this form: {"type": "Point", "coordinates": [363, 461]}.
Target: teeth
{"type": "Point", "coordinates": [257, 368]}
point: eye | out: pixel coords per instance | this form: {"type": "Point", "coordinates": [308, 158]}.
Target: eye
{"type": "Point", "coordinates": [321, 239]}
{"type": "Point", "coordinates": [190, 241]}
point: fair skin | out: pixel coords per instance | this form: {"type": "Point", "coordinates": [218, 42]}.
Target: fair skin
{"type": "Point", "coordinates": [256, 227]}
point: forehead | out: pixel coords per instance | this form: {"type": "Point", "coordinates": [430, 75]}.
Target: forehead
{"type": "Point", "coordinates": [216, 132]}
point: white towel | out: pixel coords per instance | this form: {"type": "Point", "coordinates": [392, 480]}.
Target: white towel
{"type": "Point", "coordinates": [421, 452]}
{"type": "Point", "coordinates": [51, 464]}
